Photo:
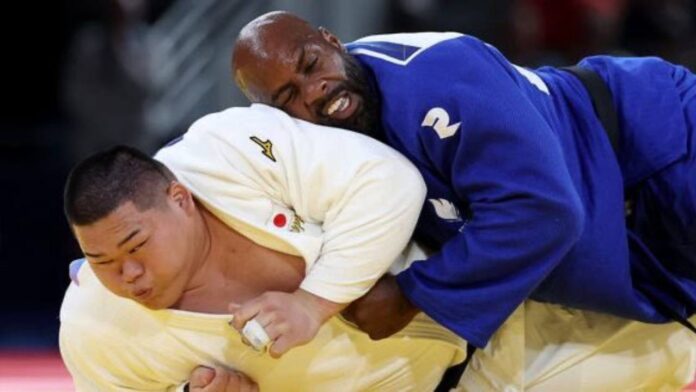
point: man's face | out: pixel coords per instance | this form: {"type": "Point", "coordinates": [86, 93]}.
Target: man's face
{"type": "Point", "coordinates": [309, 76]}
{"type": "Point", "coordinates": [141, 255]}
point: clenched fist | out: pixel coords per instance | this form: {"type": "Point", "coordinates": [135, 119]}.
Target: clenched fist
{"type": "Point", "coordinates": [289, 319]}
{"type": "Point", "coordinates": [383, 311]}
{"type": "Point", "coordinates": [205, 379]}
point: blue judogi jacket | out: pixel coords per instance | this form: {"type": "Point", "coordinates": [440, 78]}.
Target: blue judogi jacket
{"type": "Point", "coordinates": [525, 193]}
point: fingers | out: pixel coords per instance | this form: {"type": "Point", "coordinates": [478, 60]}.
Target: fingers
{"type": "Point", "coordinates": [280, 346]}
{"type": "Point", "coordinates": [262, 311]}
{"type": "Point", "coordinates": [201, 376]}
{"type": "Point", "coordinates": [260, 337]}
{"type": "Point", "coordinates": [283, 339]}
{"type": "Point", "coordinates": [265, 318]}
{"type": "Point", "coordinates": [276, 330]}
{"type": "Point", "coordinates": [220, 382]}
{"type": "Point", "coordinates": [245, 312]}
{"type": "Point", "coordinates": [255, 334]}
{"type": "Point", "coordinates": [261, 307]}
{"type": "Point", "coordinates": [284, 319]}
{"type": "Point", "coordinates": [227, 380]}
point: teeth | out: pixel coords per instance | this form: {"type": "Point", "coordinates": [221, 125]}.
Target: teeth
{"type": "Point", "coordinates": [338, 105]}
{"type": "Point", "coordinates": [344, 104]}
{"type": "Point", "coordinates": [334, 106]}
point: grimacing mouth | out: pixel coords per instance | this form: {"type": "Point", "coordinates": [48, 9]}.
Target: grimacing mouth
{"type": "Point", "coordinates": [328, 110]}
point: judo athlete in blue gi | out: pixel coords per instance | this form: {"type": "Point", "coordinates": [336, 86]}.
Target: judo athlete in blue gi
{"type": "Point", "coordinates": [527, 197]}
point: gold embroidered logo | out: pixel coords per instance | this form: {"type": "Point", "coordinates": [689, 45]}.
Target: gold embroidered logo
{"type": "Point", "coordinates": [297, 225]}
{"type": "Point", "coordinates": [266, 145]}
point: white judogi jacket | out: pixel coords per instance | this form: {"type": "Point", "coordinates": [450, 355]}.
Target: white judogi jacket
{"type": "Point", "coordinates": [114, 344]}
{"type": "Point", "coordinates": [344, 203]}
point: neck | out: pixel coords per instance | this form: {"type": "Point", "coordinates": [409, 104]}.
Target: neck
{"type": "Point", "coordinates": [214, 256]}
{"type": "Point", "coordinates": [232, 268]}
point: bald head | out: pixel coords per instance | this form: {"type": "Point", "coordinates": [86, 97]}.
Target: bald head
{"type": "Point", "coordinates": [281, 60]}
{"type": "Point", "coordinates": [256, 37]}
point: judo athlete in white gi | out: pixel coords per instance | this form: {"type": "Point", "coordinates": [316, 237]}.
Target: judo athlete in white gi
{"type": "Point", "coordinates": [260, 203]}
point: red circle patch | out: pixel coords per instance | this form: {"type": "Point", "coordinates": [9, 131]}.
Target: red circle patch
{"type": "Point", "coordinates": [280, 220]}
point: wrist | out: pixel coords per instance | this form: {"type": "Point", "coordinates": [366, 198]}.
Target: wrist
{"type": "Point", "coordinates": [321, 308]}
{"type": "Point", "coordinates": [406, 307]}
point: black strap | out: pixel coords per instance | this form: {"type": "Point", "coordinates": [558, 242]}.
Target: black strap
{"type": "Point", "coordinates": [668, 311]}
{"type": "Point", "coordinates": [606, 112]}
{"type": "Point", "coordinates": [601, 101]}
{"type": "Point", "coordinates": [451, 377]}
{"type": "Point", "coordinates": [604, 108]}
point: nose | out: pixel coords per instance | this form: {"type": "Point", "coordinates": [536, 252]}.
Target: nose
{"type": "Point", "coordinates": [131, 270]}
{"type": "Point", "coordinates": [313, 90]}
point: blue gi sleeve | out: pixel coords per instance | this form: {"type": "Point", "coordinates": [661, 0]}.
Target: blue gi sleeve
{"type": "Point", "coordinates": [506, 167]}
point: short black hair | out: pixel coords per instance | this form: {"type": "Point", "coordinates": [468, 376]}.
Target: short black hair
{"type": "Point", "coordinates": [104, 181]}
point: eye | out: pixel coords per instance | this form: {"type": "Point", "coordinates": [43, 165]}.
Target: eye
{"type": "Point", "coordinates": [137, 247]}
{"type": "Point", "coordinates": [310, 66]}
{"type": "Point", "coordinates": [287, 98]}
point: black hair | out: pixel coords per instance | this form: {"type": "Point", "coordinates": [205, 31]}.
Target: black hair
{"type": "Point", "coordinates": [104, 181]}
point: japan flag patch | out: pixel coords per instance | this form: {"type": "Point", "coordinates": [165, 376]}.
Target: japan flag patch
{"type": "Point", "coordinates": [285, 219]}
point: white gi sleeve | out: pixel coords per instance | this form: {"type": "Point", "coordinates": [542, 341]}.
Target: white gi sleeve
{"type": "Point", "coordinates": [366, 196]}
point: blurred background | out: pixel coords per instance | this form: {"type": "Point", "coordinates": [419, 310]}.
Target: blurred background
{"type": "Point", "coordinates": [81, 75]}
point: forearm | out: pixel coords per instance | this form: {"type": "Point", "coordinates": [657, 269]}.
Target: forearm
{"type": "Point", "coordinates": [322, 308]}
{"type": "Point", "coordinates": [480, 276]}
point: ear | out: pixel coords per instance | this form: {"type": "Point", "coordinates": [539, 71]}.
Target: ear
{"type": "Point", "coordinates": [331, 39]}
{"type": "Point", "coordinates": [181, 196]}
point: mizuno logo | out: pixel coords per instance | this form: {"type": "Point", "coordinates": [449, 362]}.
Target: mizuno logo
{"type": "Point", "coordinates": [267, 147]}
{"type": "Point", "coordinates": [446, 210]}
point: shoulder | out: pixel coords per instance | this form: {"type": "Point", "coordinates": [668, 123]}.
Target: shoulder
{"type": "Point", "coordinates": [235, 142]}
{"type": "Point", "coordinates": [261, 135]}
{"type": "Point", "coordinates": [434, 64]}
{"type": "Point", "coordinates": [232, 126]}
{"type": "Point", "coordinates": [399, 49]}
{"type": "Point", "coordinates": [412, 50]}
